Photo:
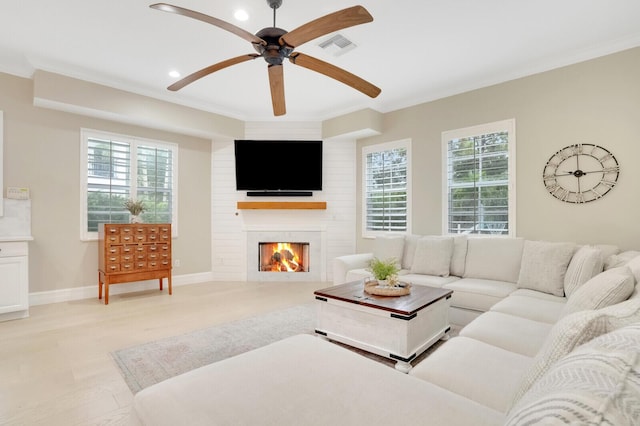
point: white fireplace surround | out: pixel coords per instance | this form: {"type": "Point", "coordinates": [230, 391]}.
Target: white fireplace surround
{"type": "Point", "coordinates": [314, 235]}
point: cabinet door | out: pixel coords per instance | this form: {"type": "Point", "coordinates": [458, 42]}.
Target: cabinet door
{"type": "Point", "coordinates": [14, 287]}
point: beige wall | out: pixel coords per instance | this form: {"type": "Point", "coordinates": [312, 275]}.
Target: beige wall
{"type": "Point", "coordinates": [593, 102]}
{"type": "Point", "coordinates": [42, 152]}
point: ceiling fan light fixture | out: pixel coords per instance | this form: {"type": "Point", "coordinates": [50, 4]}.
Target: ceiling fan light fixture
{"type": "Point", "coordinates": [241, 15]}
{"type": "Point", "coordinates": [174, 74]}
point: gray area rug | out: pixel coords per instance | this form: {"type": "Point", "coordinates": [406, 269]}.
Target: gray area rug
{"type": "Point", "coordinates": [149, 363]}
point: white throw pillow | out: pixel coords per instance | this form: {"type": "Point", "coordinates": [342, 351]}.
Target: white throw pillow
{"type": "Point", "coordinates": [597, 383]}
{"type": "Point", "coordinates": [620, 259]}
{"type": "Point", "coordinates": [391, 247]}
{"type": "Point", "coordinates": [605, 289]}
{"type": "Point", "coordinates": [586, 263]}
{"type": "Point", "coordinates": [433, 256]}
{"type": "Point", "coordinates": [574, 330]}
{"type": "Point", "coordinates": [544, 265]}
{"type": "Point", "coordinates": [410, 242]}
{"type": "Point", "coordinates": [493, 258]}
{"type": "Point", "coordinates": [634, 267]}
{"type": "Point", "coordinates": [459, 255]}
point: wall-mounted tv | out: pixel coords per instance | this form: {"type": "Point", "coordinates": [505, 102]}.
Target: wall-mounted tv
{"type": "Point", "coordinates": [270, 166]}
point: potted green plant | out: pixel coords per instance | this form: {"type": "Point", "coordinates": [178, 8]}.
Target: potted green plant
{"type": "Point", "coordinates": [136, 208]}
{"type": "Point", "coordinates": [383, 270]}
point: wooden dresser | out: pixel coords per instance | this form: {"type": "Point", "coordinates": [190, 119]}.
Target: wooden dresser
{"type": "Point", "coordinates": [133, 252]}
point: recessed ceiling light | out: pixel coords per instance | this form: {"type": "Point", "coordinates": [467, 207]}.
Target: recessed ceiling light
{"type": "Point", "coordinates": [241, 15]}
{"type": "Point", "coordinates": [174, 74]}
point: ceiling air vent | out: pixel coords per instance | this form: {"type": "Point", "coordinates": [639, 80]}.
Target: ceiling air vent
{"type": "Point", "coordinates": [337, 45]}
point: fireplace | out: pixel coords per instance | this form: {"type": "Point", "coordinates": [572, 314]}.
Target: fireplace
{"type": "Point", "coordinates": [283, 257]}
{"type": "Point", "coordinates": [301, 248]}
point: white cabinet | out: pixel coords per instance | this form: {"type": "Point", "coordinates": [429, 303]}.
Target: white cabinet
{"type": "Point", "coordinates": [14, 280]}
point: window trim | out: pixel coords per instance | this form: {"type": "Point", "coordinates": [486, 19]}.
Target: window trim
{"type": "Point", "coordinates": [85, 135]}
{"type": "Point", "coordinates": [385, 146]}
{"type": "Point", "coordinates": [508, 125]}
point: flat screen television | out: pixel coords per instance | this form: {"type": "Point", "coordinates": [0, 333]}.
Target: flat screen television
{"type": "Point", "coordinates": [278, 165]}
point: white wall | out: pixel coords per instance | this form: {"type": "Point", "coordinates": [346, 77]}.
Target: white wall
{"type": "Point", "coordinates": [229, 223]}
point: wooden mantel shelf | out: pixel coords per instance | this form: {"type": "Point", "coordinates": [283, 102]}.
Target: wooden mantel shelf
{"type": "Point", "coordinates": [282, 205]}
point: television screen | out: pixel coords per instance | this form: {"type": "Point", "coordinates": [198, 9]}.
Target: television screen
{"type": "Point", "coordinates": [278, 165]}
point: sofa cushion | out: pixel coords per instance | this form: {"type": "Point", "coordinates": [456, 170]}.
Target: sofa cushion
{"type": "Point", "coordinates": [484, 252]}
{"type": "Point", "coordinates": [506, 331]}
{"type": "Point", "coordinates": [389, 247]}
{"type": "Point", "coordinates": [539, 295]}
{"type": "Point", "coordinates": [433, 256]}
{"type": "Point", "coordinates": [574, 330]}
{"type": "Point", "coordinates": [302, 380]}
{"type": "Point", "coordinates": [595, 384]}
{"type": "Point", "coordinates": [533, 308]}
{"type": "Point", "coordinates": [427, 280]}
{"type": "Point", "coordinates": [544, 265]}
{"type": "Point", "coordinates": [609, 287]}
{"type": "Point", "coordinates": [586, 263]}
{"type": "Point", "coordinates": [478, 294]}
{"type": "Point", "coordinates": [454, 366]}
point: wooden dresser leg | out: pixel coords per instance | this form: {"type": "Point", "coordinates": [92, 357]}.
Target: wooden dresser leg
{"type": "Point", "coordinates": [160, 284]}
{"type": "Point", "coordinates": [170, 287]}
{"type": "Point", "coordinates": [106, 292]}
{"type": "Point", "coordinates": [99, 287]}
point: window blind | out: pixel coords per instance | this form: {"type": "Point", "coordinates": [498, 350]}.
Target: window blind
{"type": "Point", "coordinates": [386, 190]}
{"type": "Point", "coordinates": [478, 184]}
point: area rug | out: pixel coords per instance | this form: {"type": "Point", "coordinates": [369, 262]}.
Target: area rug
{"type": "Point", "coordinates": [149, 363]}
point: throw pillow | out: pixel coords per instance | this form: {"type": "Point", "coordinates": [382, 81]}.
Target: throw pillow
{"type": "Point", "coordinates": [544, 265]}
{"type": "Point", "coordinates": [410, 242]}
{"type": "Point", "coordinates": [574, 330]}
{"type": "Point", "coordinates": [595, 384]}
{"type": "Point", "coordinates": [392, 247]}
{"type": "Point", "coordinates": [493, 258]}
{"type": "Point", "coordinates": [433, 256]}
{"type": "Point", "coordinates": [459, 255]}
{"type": "Point", "coordinates": [620, 259]}
{"type": "Point", "coordinates": [634, 267]}
{"type": "Point", "coordinates": [605, 289]}
{"type": "Point", "coordinates": [584, 265]}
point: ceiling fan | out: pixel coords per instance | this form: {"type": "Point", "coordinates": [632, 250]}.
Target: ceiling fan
{"type": "Point", "coordinates": [275, 44]}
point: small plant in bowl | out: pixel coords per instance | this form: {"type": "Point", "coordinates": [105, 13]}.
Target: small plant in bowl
{"type": "Point", "coordinates": [382, 270]}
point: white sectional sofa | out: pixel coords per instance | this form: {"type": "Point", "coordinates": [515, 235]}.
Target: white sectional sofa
{"type": "Point", "coordinates": [481, 270]}
{"type": "Point", "coordinates": [528, 357]}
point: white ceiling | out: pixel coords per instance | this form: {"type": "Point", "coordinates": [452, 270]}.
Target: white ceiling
{"type": "Point", "coordinates": [414, 50]}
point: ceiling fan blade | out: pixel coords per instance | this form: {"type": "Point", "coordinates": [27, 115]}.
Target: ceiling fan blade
{"type": "Point", "coordinates": [210, 20]}
{"type": "Point", "coordinates": [211, 69]}
{"type": "Point", "coordinates": [334, 72]}
{"type": "Point", "coordinates": [335, 21]}
{"type": "Point", "coordinates": [276, 82]}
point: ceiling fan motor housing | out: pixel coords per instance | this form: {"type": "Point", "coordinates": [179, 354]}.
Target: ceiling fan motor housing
{"type": "Point", "coordinates": [272, 52]}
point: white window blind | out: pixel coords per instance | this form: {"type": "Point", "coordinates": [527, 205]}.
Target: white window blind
{"type": "Point", "coordinates": [479, 180]}
{"type": "Point", "coordinates": [386, 188]}
{"type": "Point", "coordinates": [118, 168]}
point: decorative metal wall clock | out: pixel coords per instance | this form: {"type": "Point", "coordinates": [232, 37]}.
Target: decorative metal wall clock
{"type": "Point", "coordinates": [581, 173]}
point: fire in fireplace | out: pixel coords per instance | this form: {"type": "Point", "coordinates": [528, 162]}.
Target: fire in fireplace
{"type": "Point", "coordinates": [283, 257]}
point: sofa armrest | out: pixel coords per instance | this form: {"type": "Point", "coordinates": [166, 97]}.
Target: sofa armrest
{"type": "Point", "coordinates": [343, 264]}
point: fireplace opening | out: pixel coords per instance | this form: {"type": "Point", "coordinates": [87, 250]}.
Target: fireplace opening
{"type": "Point", "coordinates": [283, 257]}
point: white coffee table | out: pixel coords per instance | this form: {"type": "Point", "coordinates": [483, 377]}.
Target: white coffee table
{"type": "Point", "coordinates": [399, 328]}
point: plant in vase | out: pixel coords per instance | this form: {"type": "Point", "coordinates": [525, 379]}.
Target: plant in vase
{"type": "Point", "coordinates": [385, 271]}
{"type": "Point", "coordinates": [136, 208]}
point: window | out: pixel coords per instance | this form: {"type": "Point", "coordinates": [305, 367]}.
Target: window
{"type": "Point", "coordinates": [479, 195]}
{"type": "Point", "coordinates": [386, 182]}
{"type": "Point", "coordinates": [116, 168]}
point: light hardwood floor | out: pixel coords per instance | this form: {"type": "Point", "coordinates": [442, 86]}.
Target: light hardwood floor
{"type": "Point", "coordinates": [56, 367]}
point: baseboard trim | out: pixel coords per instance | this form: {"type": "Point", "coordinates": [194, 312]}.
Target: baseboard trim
{"type": "Point", "coordinates": [91, 291]}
